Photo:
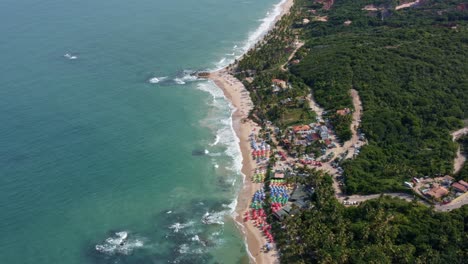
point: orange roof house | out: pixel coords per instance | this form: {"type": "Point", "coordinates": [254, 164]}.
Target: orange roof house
{"type": "Point", "coordinates": [464, 183]}
{"type": "Point", "coordinates": [301, 128]}
{"type": "Point", "coordinates": [280, 83]}
{"type": "Point", "coordinates": [437, 192]}
{"type": "Point", "coordinates": [343, 112]}
{"type": "Point", "coordinates": [458, 187]}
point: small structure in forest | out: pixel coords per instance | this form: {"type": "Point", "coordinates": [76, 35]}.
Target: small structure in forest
{"type": "Point", "coordinates": [437, 192]}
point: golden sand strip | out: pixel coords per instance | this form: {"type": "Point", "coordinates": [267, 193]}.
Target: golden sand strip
{"type": "Point", "coordinates": [238, 95]}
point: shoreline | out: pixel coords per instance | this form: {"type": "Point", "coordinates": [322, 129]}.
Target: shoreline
{"type": "Point", "coordinates": [240, 99]}
{"type": "Point", "coordinates": [236, 93]}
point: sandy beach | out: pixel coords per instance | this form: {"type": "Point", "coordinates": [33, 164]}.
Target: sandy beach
{"type": "Point", "coordinates": [237, 94]}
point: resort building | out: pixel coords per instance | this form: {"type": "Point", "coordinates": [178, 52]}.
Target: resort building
{"type": "Point", "coordinates": [437, 192]}
{"type": "Point", "coordinates": [464, 183]}
{"type": "Point", "coordinates": [459, 187]}
{"type": "Point", "coordinates": [301, 129]}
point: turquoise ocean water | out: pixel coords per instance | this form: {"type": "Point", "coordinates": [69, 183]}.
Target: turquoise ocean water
{"type": "Point", "coordinates": [104, 134]}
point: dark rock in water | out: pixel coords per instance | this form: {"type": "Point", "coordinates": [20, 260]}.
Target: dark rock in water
{"type": "Point", "coordinates": [198, 152]}
{"type": "Point", "coordinates": [203, 74]}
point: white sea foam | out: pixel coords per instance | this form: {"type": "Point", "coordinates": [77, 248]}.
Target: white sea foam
{"type": "Point", "coordinates": [255, 36]}
{"type": "Point", "coordinates": [232, 142]}
{"type": "Point", "coordinates": [212, 89]}
{"type": "Point", "coordinates": [70, 56]}
{"type": "Point", "coordinates": [267, 23]}
{"type": "Point", "coordinates": [178, 226]}
{"type": "Point", "coordinates": [186, 76]}
{"type": "Point", "coordinates": [120, 243]}
{"type": "Point", "coordinates": [184, 249]}
{"type": "Point", "coordinates": [155, 80]}
{"type": "Point", "coordinates": [179, 81]}
{"type": "Point", "coordinates": [225, 136]}
{"type": "Point", "coordinates": [213, 218]}
{"type": "Point", "coordinates": [216, 141]}
{"type": "Point", "coordinates": [222, 63]}
{"type": "Point", "coordinates": [231, 206]}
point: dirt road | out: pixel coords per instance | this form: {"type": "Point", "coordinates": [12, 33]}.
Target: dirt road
{"type": "Point", "coordinates": [349, 145]}
{"type": "Point", "coordinates": [298, 45]}
{"type": "Point", "coordinates": [460, 159]}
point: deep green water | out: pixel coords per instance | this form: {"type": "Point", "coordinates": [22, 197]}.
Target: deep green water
{"type": "Point", "coordinates": [89, 147]}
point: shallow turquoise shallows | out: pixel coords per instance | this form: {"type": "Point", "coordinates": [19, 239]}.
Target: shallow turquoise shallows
{"type": "Point", "coordinates": [110, 151]}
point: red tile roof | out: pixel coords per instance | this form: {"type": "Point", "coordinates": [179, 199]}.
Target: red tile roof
{"type": "Point", "coordinates": [301, 128]}
{"type": "Point", "coordinates": [464, 183]}
{"type": "Point", "coordinates": [459, 187]}
{"type": "Point", "coordinates": [438, 192]}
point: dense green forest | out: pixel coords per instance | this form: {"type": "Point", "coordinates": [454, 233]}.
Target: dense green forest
{"type": "Point", "coordinates": [384, 230]}
{"type": "Point", "coordinates": [463, 173]}
{"type": "Point", "coordinates": [286, 106]}
{"type": "Point", "coordinates": [411, 71]}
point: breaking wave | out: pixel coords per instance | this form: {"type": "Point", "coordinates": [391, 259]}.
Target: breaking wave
{"type": "Point", "coordinates": [185, 76]}
{"type": "Point", "coordinates": [70, 56]}
{"type": "Point", "coordinates": [253, 37]}
{"type": "Point", "coordinates": [119, 243]}
{"type": "Point", "coordinates": [267, 23]}
{"type": "Point", "coordinates": [178, 226]}
{"type": "Point", "coordinates": [216, 141]}
{"type": "Point", "coordinates": [213, 218]}
{"type": "Point", "coordinates": [155, 80]}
